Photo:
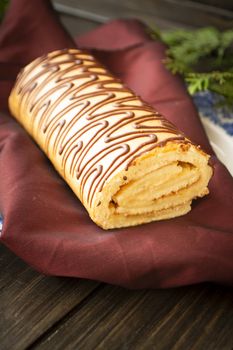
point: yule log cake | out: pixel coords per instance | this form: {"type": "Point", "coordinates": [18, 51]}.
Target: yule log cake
{"type": "Point", "coordinates": [126, 163]}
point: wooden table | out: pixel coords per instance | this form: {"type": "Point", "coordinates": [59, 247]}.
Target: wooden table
{"type": "Point", "coordinates": [39, 312]}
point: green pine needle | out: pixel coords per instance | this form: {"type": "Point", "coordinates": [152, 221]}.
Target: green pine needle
{"type": "Point", "coordinates": [215, 81]}
{"type": "Point", "coordinates": [204, 57]}
{"type": "Point", "coordinates": [3, 6]}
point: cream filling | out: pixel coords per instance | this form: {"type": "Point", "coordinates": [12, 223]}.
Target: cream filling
{"type": "Point", "coordinates": [159, 185]}
{"type": "Point", "coordinates": [169, 186]}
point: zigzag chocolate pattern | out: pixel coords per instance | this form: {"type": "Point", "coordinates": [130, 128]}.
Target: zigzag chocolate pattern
{"type": "Point", "coordinates": [72, 83]}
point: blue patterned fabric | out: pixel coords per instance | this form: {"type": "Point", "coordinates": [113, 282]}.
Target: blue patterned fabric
{"type": "Point", "coordinates": [209, 106]}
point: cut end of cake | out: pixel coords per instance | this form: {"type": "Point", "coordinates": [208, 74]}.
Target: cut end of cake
{"type": "Point", "coordinates": [160, 184]}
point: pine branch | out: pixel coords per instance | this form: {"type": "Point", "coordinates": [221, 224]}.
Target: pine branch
{"type": "Point", "coordinates": [3, 6]}
{"type": "Point", "coordinates": [189, 46]}
{"type": "Point", "coordinates": [204, 57]}
{"type": "Point", "coordinates": [220, 82]}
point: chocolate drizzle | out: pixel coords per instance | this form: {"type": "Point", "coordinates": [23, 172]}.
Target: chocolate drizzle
{"type": "Point", "coordinates": [88, 118]}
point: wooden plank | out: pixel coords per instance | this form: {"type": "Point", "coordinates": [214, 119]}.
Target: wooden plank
{"type": "Point", "coordinates": [79, 14]}
{"type": "Point", "coordinates": [76, 25]}
{"type": "Point", "coordinates": [197, 317]}
{"type": "Point", "coordinates": [74, 18]}
{"type": "Point", "coordinates": [223, 4]}
{"type": "Point", "coordinates": [175, 12]}
{"type": "Point", "coordinates": [31, 303]}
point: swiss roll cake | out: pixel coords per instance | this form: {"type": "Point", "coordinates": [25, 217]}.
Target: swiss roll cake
{"type": "Point", "coordinates": [126, 163]}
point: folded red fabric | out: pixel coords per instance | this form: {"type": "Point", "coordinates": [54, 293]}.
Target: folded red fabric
{"type": "Point", "coordinates": [46, 225]}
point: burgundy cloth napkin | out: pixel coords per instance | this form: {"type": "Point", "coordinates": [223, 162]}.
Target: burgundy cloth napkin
{"type": "Point", "coordinates": [47, 226]}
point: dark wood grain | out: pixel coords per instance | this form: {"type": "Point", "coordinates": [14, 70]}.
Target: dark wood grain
{"type": "Point", "coordinates": [223, 4]}
{"type": "Point", "coordinates": [159, 13]}
{"type": "Point", "coordinates": [199, 317]}
{"type": "Point", "coordinates": [76, 25]}
{"type": "Point", "coordinates": [31, 303]}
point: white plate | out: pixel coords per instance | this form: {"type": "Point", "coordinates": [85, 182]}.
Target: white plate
{"type": "Point", "coordinates": [221, 142]}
